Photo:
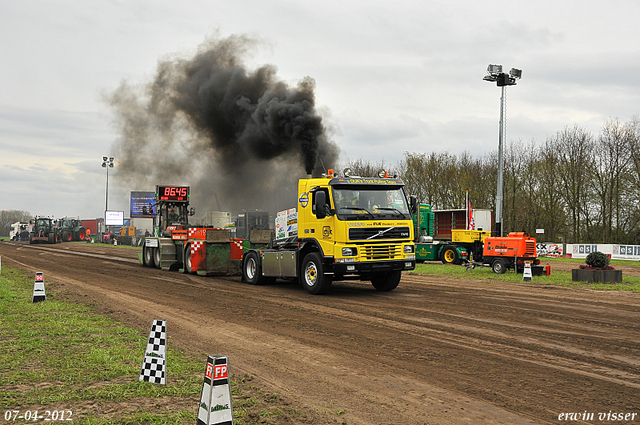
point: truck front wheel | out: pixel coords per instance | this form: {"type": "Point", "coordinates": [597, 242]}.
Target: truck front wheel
{"type": "Point", "coordinates": [498, 266]}
{"type": "Point", "coordinates": [387, 281]}
{"type": "Point", "coordinates": [313, 278]}
{"type": "Point", "coordinates": [251, 269]}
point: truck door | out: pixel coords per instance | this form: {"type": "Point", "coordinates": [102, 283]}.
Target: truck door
{"type": "Point", "coordinates": [324, 226]}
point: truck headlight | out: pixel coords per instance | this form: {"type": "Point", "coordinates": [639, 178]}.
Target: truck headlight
{"type": "Point", "coordinates": [408, 249]}
{"type": "Point", "coordinates": [349, 252]}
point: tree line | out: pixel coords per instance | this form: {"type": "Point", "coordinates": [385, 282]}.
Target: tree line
{"type": "Point", "coordinates": [577, 186]}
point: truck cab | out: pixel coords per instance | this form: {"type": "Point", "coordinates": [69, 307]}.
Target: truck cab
{"type": "Point", "coordinates": [348, 227]}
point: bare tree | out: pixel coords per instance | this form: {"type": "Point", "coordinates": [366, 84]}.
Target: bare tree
{"type": "Point", "coordinates": [575, 149]}
{"type": "Point", "coordinates": [8, 217]}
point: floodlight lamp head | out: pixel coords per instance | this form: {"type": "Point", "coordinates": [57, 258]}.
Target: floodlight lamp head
{"type": "Point", "coordinates": [494, 69]}
{"type": "Point", "coordinates": [104, 158]}
{"type": "Point", "coordinates": [515, 73]}
{"type": "Point", "coordinates": [111, 159]}
{"type": "Point", "coordinates": [104, 165]}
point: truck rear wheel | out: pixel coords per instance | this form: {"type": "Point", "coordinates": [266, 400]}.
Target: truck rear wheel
{"type": "Point", "coordinates": [386, 281]}
{"type": "Point", "coordinates": [251, 269]}
{"type": "Point", "coordinates": [449, 255]}
{"type": "Point", "coordinates": [498, 266]}
{"type": "Point", "coordinates": [313, 278]}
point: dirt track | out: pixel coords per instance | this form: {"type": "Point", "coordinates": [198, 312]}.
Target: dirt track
{"type": "Point", "coordinates": [430, 352]}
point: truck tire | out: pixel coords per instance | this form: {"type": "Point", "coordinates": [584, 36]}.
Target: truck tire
{"type": "Point", "coordinates": [498, 266]}
{"type": "Point", "coordinates": [386, 281]}
{"type": "Point", "coordinates": [156, 257]}
{"type": "Point", "coordinates": [313, 278]}
{"type": "Point", "coordinates": [449, 255]}
{"type": "Point", "coordinates": [147, 256]}
{"type": "Point", "coordinates": [252, 270]}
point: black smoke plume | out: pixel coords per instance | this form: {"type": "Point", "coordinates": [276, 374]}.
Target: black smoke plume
{"type": "Point", "coordinates": [240, 138]}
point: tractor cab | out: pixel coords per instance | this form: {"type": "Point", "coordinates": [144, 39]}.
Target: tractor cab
{"type": "Point", "coordinates": [172, 209]}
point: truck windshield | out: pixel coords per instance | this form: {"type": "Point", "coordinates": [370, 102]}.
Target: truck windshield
{"type": "Point", "coordinates": [370, 203]}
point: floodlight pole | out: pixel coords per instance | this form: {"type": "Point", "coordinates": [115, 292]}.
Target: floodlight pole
{"type": "Point", "coordinates": [107, 162]}
{"type": "Point", "coordinates": [500, 190]}
{"type": "Point", "coordinates": [495, 74]}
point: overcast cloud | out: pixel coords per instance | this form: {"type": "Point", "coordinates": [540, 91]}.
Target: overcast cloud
{"type": "Point", "coordinates": [390, 77]}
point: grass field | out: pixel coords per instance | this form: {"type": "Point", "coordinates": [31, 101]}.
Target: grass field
{"type": "Point", "coordinates": [563, 278]}
{"type": "Point", "coordinates": [61, 357]}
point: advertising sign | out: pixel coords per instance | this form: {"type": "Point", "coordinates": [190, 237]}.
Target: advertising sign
{"type": "Point", "coordinates": [143, 204]}
{"type": "Point", "coordinates": [114, 218]}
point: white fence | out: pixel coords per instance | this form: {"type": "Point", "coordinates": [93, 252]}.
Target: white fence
{"type": "Point", "coordinates": [615, 252]}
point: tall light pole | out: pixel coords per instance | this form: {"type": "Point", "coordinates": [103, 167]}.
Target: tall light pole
{"type": "Point", "coordinates": [494, 73]}
{"type": "Point", "coordinates": [107, 162]}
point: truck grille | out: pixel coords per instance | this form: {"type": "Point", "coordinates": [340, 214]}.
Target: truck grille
{"type": "Point", "coordinates": [380, 252]}
{"type": "Point", "coordinates": [377, 233]}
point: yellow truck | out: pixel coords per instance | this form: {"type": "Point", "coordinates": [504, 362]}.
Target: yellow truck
{"type": "Point", "coordinates": [344, 227]}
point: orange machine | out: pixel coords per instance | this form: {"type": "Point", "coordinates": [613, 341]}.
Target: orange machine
{"type": "Point", "coordinates": [503, 253]}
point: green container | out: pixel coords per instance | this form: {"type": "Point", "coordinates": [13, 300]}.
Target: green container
{"type": "Point", "coordinates": [428, 251]}
{"type": "Point", "coordinates": [426, 220]}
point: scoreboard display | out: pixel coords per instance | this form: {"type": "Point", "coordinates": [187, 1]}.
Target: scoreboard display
{"type": "Point", "coordinates": [172, 193]}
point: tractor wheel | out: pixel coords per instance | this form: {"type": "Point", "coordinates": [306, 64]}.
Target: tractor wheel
{"type": "Point", "coordinates": [187, 260]}
{"type": "Point", "coordinates": [82, 233]}
{"type": "Point", "coordinates": [449, 255]}
{"type": "Point", "coordinates": [67, 236]}
{"type": "Point", "coordinates": [156, 257]}
{"type": "Point", "coordinates": [147, 256]}
{"type": "Point", "coordinates": [498, 266]}
{"type": "Point", "coordinates": [313, 278]}
{"type": "Point", "coordinates": [51, 237]}
{"type": "Point", "coordinates": [386, 281]}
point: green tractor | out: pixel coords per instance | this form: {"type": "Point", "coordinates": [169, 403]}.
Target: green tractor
{"type": "Point", "coordinates": [71, 229]}
{"type": "Point", "coordinates": [42, 229]}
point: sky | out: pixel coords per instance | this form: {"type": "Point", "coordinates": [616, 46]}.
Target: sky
{"type": "Point", "coordinates": [390, 77]}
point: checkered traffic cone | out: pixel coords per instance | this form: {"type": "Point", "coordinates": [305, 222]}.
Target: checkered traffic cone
{"type": "Point", "coordinates": [154, 365]}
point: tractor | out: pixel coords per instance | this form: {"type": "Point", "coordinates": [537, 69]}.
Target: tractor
{"type": "Point", "coordinates": [42, 229]}
{"type": "Point", "coordinates": [71, 229]}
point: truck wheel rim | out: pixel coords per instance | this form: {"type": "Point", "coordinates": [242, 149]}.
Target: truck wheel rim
{"type": "Point", "coordinates": [251, 268]}
{"type": "Point", "coordinates": [449, 256]}
{"type": "Point", "coordinates": [311, 274]}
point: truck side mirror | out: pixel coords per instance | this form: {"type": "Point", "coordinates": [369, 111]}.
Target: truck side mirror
{"type": "Point", "coordinates": [321, 200]}
{"type": "Point", "coordinates": [413, 204]}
